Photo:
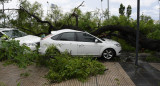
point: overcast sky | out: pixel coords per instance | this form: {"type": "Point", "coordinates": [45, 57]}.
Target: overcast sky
{"type": "Point", "coordinates": [148, 7]}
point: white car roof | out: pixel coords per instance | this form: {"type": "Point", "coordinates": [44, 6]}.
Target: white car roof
{"type": "Point", "coordinates": [2, 29]}
{"type": "Point", "coordinates": [64, 30]}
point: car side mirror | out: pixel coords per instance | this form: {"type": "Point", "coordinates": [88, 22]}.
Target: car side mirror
{"type": "Point", "coordinates": [96, 40]}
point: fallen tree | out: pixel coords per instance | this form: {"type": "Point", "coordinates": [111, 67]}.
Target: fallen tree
{"type": "Point", "coordinates": [124, 32]}
{"type": "Point", "coordinates": [128, 34]}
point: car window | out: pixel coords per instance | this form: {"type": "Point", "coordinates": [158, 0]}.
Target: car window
{"type": "Point", "coordinates": [55, 37]}
{"type": "Point", "coordinates": [1, 34]}
{"type": "Point", "coordinates": [69, 36]}
{"type": "Point", "coordinates": [84, 37]}
{"type": "Point", "coordinates": [14, 33]}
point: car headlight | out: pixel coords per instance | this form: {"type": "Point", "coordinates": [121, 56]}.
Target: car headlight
{"type": "Point", "coordinates": [118, 45]}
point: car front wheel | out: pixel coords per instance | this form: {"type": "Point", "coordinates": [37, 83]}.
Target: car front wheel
{"type": "Point", "coordinates": [108, 54]}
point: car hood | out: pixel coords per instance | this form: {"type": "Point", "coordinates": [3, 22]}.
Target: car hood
{"type": "Point", "coordinates": [28, 39]}
{"type": "Point", "coordinates": [110, 41]}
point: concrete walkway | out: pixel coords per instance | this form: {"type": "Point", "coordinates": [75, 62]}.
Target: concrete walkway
{"type": "Point", "coordinates": [11, 75]}
{"type": "Point", "coordinates": [155, 65]}
{"type": "Point", "coordinates": [114, 76]}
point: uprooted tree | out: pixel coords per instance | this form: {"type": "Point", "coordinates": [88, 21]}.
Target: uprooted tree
{"type": "Point", "coordinates": [124, 32]}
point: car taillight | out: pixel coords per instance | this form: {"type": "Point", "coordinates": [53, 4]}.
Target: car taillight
{"type": "Point", "coordinates": [46, 37]}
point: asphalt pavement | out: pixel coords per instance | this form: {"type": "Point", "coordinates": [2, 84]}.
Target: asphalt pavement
{"type": "Point", "coordinates": [142, 75]}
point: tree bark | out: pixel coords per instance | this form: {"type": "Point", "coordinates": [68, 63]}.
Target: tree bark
{"type": "Point", "coordinates": [129, 35]}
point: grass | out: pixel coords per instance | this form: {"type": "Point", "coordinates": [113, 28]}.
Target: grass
{"type": "Point", "coordinates": [152, 59]}
{"type": "Point", "coordinates": [116, 79]}
{"type": "Point", "coordinates": [26, 74]}
{"type": "Point", "coordinates": [2, 84]}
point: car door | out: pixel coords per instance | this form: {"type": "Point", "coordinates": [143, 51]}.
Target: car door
{"type": "Point", "coordinates": [86, 44]}
{"type": "Point", "coordinates": [66, 42]}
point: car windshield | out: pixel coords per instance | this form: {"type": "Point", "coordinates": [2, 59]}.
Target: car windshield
{"type": "Point", "coordinates": [102, 39]}
{"type": "Point", "coordinates": [14, 33]}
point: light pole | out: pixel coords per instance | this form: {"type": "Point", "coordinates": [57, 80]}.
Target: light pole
{"type": "Point", "coordinates": [137, 34]}
{"type": "Point", "coordinates": [3, 14]}
{"type": "Point", "coordinates": [47, 7]}
{"type": "Point", "coordinates": [159, 11]}
{"type": "Point", "coordinates": [108, 8]}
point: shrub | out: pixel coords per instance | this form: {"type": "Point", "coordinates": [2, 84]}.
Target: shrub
{"type": "Point", "coordinates": [152, 59]}
{"type": "Point", "coordinates": [26, 74]}
{"type": "Point", "coordinates": [43, 60]}
{"type": "Point", "coordinates": [64, 67]}
{"type": "Point", "coordinates": [154, 35]}
{"type": "Point", "coordinates": [12, 52]}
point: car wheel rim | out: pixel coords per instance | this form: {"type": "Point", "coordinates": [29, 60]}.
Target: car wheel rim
{"type": "Point", "coordinates": [108, 54]}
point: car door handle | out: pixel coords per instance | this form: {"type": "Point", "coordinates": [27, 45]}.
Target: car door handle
{"type": "Point", "coordinates": [81, 45]}
{"type": "Point", "coordinates": [60, 45]}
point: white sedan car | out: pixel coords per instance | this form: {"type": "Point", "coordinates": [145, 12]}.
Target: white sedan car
{"type": "Point", "coordinates": [80, 43]}
{"type": "Point", "coordinates": [30, 40]}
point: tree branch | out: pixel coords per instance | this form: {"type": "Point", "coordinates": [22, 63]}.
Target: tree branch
{"type": "Point", "coordinates": [51, 27]}
{"type": "Point", "coordinates": [74, 14]}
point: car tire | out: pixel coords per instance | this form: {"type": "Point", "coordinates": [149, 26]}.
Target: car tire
{"type": "Point", "coordinates": [108, 54]}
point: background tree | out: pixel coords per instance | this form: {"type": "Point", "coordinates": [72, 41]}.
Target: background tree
{"type": "Point", "coordinates": [122, 9]}
{"type": "Point", "coordinates": [145, 18]}
{"type": "Point", "coordinates": [87, 21]}
{"type": "Point", "coordinates": [106, 14]}
{"type": "Point", "coordinates": [2, 13]}
{"type": "Point", "coordinates": [55, 16]}
{"type": "Point", "coordinates": [129, 11]}
{"type": "Point", "coordinates": [28, 23]}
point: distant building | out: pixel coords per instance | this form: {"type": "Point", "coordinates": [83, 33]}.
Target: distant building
{"type": "Point", "coordinates": [156, 21]}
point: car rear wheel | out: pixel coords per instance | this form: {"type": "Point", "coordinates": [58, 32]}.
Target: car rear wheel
{"type": "Point", "coordinates": [108, 54]}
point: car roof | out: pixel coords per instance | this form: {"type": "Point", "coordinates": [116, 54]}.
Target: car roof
{"type": "Point", "coordinates": [2, 29]}
{"type": "Point", "coordinates": [64, 30]}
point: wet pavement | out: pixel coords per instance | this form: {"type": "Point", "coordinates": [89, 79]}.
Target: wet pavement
{"type": "Point", "coordinates": [142, 75]}
{"type": "Point", "coordinates": [155, 65]}
{"type": "Point", "coordinates": [114, 76]}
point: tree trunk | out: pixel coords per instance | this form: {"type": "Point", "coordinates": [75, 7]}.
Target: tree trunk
{"type": "Point", "coordinates": [129, 35]}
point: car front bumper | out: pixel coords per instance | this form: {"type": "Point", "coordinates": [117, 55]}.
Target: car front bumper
{"type": "Point", "coordinates": [118, 51]}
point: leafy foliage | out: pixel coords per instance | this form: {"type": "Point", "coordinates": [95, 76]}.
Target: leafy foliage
{"type": "Point", "coordinates": [122, 9]}
{"type": "Point", "coordinates": [25, 22]}
{"type": "Point", "coordinates": [129, 11]}
{"type": "Point", "coordinates": [61, 66]}
{"type": "Point", "coordinates": [12, 52]}
{"type": "Point", "coordinates": [26, 74]}
{"type": "Point", "coordinates": [125, 45]}
{"type": "Point", "coordinates": [2, 84]}
{"type": "Point", "coordinates": [88, 21]}
{"type": "Point", "coordinates": [152, 59]}
{"type": "Point", "coordinates": [154, 35]}
{"type": "Point", "coordinates": [64, 67]}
